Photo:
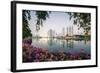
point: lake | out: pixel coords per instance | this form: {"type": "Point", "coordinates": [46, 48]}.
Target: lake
{"type": "Point", "coordinates": [55, 45]}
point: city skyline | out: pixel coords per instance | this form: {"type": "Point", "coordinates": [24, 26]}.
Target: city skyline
{"type": "Point", "coordinates": [57, 21]}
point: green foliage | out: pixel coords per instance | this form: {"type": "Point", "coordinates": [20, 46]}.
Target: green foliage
{"type": "Point", "coordinates": [82, 20]}
{"type": "Point", "coordinates": [41, 16]}
{"type": "Point", "coordinates": [26, 30]}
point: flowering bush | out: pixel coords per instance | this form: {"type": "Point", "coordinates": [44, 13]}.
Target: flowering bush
{"type": "Point", "coordinates": [36, 54]}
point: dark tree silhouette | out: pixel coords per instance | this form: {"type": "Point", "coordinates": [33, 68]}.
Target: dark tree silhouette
{"type": "Point", "coordinates": [82, 20]}
{"type": "Point", "coordinates": [26, 17]}
{"type": "Point", "coordinates": [41, 16]}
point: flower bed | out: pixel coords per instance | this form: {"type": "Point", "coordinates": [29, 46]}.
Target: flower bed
{"type": "Point", "coordinates": [35, 54]}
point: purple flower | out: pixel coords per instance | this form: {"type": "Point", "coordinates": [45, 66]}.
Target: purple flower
{"type": "Point", "coordinates": [36, 60]}
{"type": "Point", "coordinates": [37, 56]}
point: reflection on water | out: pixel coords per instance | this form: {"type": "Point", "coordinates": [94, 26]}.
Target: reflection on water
{"type": "Point", "coordinates": [57, 45]}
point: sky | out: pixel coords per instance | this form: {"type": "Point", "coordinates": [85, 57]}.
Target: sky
{"type": "Point", "coordinates": [56, 21]}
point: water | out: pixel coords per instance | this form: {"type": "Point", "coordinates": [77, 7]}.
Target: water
{"type": "Point", "coordinates": [60, 45]}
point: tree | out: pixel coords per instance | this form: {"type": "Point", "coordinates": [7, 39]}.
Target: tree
{"type": "Point", "coordinates": [82, 20]}
{"type": "Point", "coordinates": [26, 30]}
{"type": "Point", "coordinates": [41, 16]}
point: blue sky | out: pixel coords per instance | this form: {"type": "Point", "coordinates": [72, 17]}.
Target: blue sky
{"type": "Point", "coordinates": [56, 21]}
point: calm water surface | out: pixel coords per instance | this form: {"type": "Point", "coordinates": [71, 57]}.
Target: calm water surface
{"type": "Point", "coordinates": [56, 45]}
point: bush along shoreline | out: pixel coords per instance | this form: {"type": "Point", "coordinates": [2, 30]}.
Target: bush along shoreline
{"type": "Point", "coordinates": [32, 53]}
